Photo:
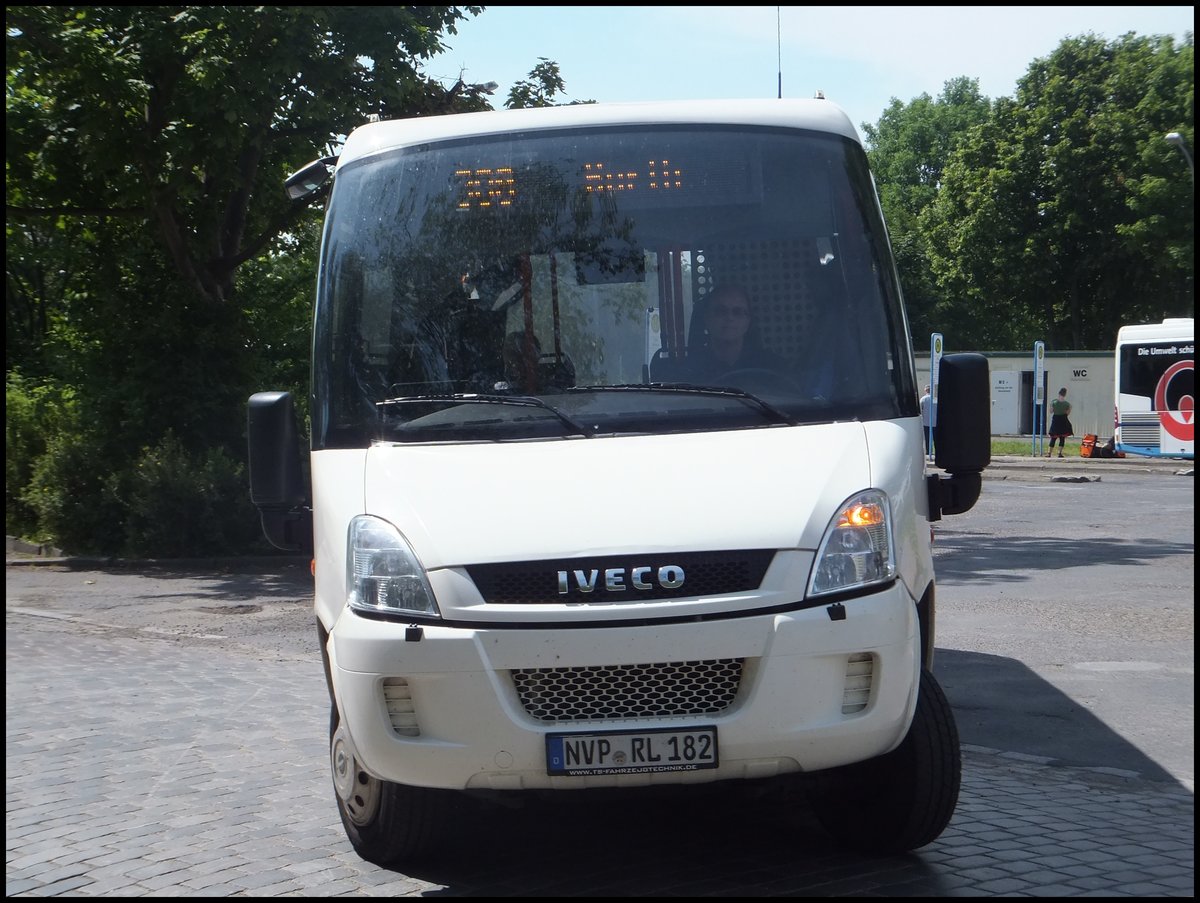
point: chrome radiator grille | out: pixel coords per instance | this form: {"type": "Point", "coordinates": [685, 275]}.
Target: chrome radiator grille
{"type": "Point", "coordinates": [621, 692]}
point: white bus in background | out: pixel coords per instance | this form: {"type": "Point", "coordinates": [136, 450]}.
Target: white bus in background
{"type": "Point", "coordinates": [554, 552]}
{"type": "Point", "coordinates": [1155, 389]}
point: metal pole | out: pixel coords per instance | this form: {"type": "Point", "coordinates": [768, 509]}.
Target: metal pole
{"type": "Point", "coordinates": [935, 362]}
{"type": "Point", "coordinates": [1039, 414]}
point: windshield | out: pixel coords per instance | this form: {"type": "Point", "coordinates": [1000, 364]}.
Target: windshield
{"type": "Point", "coordinates": [606, 281]}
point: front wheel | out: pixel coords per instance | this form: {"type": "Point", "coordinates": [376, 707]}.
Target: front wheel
{"type": "Point", "coordinates": [906, 798]}
{"type": "Point", "coordinates": [385, 822]}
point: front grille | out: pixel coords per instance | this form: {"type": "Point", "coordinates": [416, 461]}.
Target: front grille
{"type": "Point", "coordinates": [707, 574]}
{"type": "Point", "coordinates": [621, 692]}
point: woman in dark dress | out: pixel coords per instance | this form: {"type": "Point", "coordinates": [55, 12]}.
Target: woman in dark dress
{"type": "Point", "coordinates": [1060, 422]}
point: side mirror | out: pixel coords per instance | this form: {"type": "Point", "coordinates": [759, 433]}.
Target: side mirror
{"type": "Point", "coordinates": [276, 479]}
{"type": "Point", "coordinates": [308, 179]}
{"type": "Point", "coordinates": [962, 434]}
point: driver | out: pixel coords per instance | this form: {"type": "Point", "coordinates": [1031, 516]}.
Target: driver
{"type": "Point", "coordinates": [729, 342]}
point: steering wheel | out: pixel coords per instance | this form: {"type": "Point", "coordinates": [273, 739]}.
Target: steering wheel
{"type": "Point", "coordinates": [760, 379]}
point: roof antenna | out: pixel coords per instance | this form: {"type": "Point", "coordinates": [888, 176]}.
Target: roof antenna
{"type": "Point", "coordinates": [779, 43]}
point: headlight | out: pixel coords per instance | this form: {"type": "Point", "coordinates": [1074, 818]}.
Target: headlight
{"type": "Point", "coordinates": [382, 572]}
{"type": "Point", "coordinates": [856, 550]}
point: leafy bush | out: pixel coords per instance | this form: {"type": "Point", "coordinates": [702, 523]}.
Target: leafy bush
{"type": "Point", "coordinates": [67, 492]}
{"type": "Point", "coordinates": [166, 502]}
{"type": "Point", "coordinates": [182, 505]}
{"type": "Point", "coordinates": [34, 415]}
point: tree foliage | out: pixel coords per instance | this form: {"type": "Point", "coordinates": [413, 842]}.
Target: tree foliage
{"type": "Point", "coordinates": [156, 272]}
{"type": "Point", "coordinates": [541, 89]}
{"type": "Point", "coordinates": [182, 119]}
{"type": "Point", "coordinates": [1066, 214]}
{"type": "Point", "coordinates": [909, 149]}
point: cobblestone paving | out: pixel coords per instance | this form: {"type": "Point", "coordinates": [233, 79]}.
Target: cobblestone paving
{"type": "Point", "coordinates": [143, 766]}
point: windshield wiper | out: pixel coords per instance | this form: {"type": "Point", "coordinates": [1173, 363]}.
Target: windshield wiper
{"type": "Point", "coordinates": [776, 414]}
{"type": "Point", "coordinates": [525, 401]}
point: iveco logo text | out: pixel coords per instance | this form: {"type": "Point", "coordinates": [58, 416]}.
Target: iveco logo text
{"type": "Point", "coordinates": [668, 576]}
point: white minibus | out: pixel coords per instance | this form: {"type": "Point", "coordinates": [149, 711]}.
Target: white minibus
{"type": "Point", "coordinates": [614, 478]}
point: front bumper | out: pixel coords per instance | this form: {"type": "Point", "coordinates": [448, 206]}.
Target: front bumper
{"type": "Point", "coordinates": [444, 710]}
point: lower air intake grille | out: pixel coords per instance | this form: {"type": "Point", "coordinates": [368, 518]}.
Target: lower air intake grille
{"type": "Point", "coordinates": [398, 698]}
{"type": "Point", "coordinates": [860, 674]}
{"type": "Point", "coordinates": [619, 692]}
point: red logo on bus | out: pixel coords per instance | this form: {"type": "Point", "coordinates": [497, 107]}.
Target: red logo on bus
{"type": "Point", "coordinates": [1184, 428]}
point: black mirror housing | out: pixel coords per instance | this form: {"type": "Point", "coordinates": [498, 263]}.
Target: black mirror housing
{"type": "Point", "coordinates": [962, 434]}
{"type": "Point", "coordinates": [277, 485]}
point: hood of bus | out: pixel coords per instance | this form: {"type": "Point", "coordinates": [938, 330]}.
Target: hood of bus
{"type": "Point", "coordinates": [771, 488]}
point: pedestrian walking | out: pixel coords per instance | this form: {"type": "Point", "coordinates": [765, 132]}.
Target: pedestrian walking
{"type": "Point", "coordinates": [927, 420]}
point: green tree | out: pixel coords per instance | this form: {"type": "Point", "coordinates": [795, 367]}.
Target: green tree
{"type": "Point", "coordinates": [155, 268]}
{"type": "Point", "coordinates": [184, 118]}
{"type": "Point", "coordinates": [540, 89]}
{"type": "Point", "coordinates": [1063, 217]}
{"type": "Point", "coordinates": [908, 150]}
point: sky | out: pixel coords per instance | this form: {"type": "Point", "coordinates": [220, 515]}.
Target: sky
{"type": "Point", "coordinates": [860, 57]}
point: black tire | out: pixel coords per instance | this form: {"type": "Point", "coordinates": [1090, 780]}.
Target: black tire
{"type": "Point", "coordinates": [905, 799]}
{"type": "Point", "coordinates": [385, 822]}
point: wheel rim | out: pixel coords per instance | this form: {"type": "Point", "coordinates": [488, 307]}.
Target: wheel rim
{"type": "Point", "coordinates": [357, 791]}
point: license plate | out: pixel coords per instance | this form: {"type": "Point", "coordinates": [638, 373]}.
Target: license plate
{"type": "Point", "coordinates": [632, 752]}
